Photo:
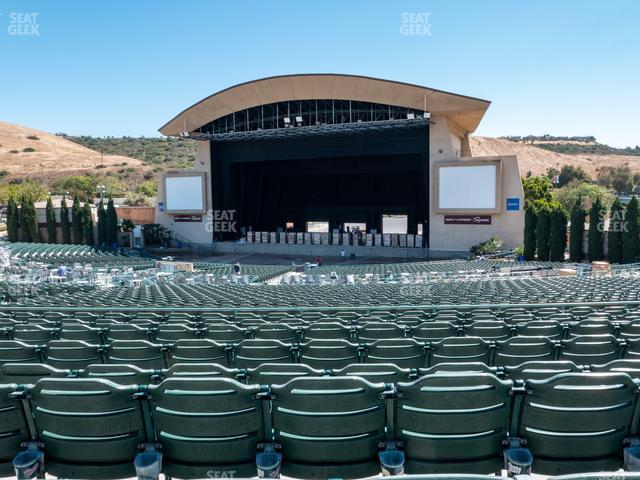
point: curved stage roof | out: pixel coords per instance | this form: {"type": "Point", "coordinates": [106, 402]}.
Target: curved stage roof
{"type": "Point", "coordinates": [465, 111]}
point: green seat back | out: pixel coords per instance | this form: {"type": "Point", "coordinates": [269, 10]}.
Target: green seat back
{"type": "Point", "coordinates": [329, 354]}
{"type": "Point", "coordinates": [517, 350]}
{"type": "Point", "coordinates": [90, 428]}
{"type": "Point", "coordinates": [72, 354]}
{"type": "Point", "coordinates": [252, 353]}
{"type": "Point", "coordinates": [577, 422]}
{"type": "Point", "coordinates": [405, 353]}
{"type": "Point", "coordinates": [199, 351]}
{"type": "Point", "coordinates": [141, 353]}
{"type": "Point", "coordinates": [329, 426]}
{"type": "Point", "coordinates": [459, 349]}
{"type": "Point", "coordinates": [454, 422]}
{"type": "Point", "coordinates": [279, 373]}
{"type": "Point", "coordinates": [13, 427]}
{"type": "Point", "coordinates": [207, 424]}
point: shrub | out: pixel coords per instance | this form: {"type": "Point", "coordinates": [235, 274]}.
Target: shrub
{"type": "Point", "coordinates": [33, 137]}
{"type": "Point", "coordinates": [28, 150]}
{"type": "Point", "coordinates": [487, 247]}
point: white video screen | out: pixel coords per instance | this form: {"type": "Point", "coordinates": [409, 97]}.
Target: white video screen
{"type": "Point", "coordinates": [468, 187]}
{"type": "Point", "coordinates": [184, 193]}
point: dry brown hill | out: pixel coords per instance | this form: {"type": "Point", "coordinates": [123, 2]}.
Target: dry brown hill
{"type": "Point", "coordinates": [53, 155]}
{"type": "Point", "coordinates": [538, 160]}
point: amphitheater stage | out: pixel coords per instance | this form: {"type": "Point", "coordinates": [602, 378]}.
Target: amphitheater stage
{"type": "Point", "coordinates": [313, 251]}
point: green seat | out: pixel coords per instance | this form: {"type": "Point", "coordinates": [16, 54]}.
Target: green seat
{"type": "Point", "coordinates": [375, 372]}
{"type": "Point", "coordinates": [33, 334]}
{"type": "Point", "coordinates": [90, 428]}
{"type": "Point", "coordinates": [372, 331]}
{"type": "Point", "coordinates": [329, 354]}
{"type": "Point", "coordinates": [29, 373]}
{"type": "Point", "coordinates": [459, 349]}
{"type": "Point", "coordinates": [272, 373]}
{"type": "Point", "coordinates": [81, 332]}
{"type": "Point", "coordinates": [576, 422]}
{"type": "Point", "coordinates": [120, 374]}
{"type": "Point", "coordinates": [125, 331]}
{"type": "Point", "coordinates": [225, 333]}
{"type": "Point", "coordinates": [329, 426]}
{"type": "Point", "coordinates": [170, 333]}
{"type": "Point", "coordinates": [550, 329]}
{"type": "Point", "coordinates": [327, 331]}
{"type": "Point", "coordinates": [207, 425]}
{"type": "Point", "coordinates": [630, 367]}
{"type": "Point", "coordinates": [588, 349]}
{"type": "Point", "coordinates": [435, 331]}
{"type": "Point", "coordinates": [458, 367]}
{"type": "Point", "coordinates": [275, 331]}
{"type": "Point", "coordinates": [13, 427]}
{"type": "Point", "coordinates": [488, 329]}
{"type": "Point", "coordinates": [72, 354]}
{"type": "Point", "coordinates": [196, 370]}
{"type": "Point", "coordinates": [199, 351]}
{"type": "Point", "coordinates": [538, 370]}
{"type": "Point", "coordinates": [13, 351]}
{"type": "Point", "coordinates": [252, 353]}
{"type": "Point", "coordinates": [405, 353]}
{"type": "Point", "coordinates": [517, 350]}
{"type": "Point", "coordinates": [454, 422]}
{"type": "Point", "coordinates": [140, 353]}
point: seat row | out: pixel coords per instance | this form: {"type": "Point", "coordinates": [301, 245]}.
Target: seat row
{"type": "Point", "coordinates": [278, 373]}
{"type": "Point", "coordinates": [299, 333]}
{"type": "Point", "coordinates": [323, 354]}
{"type": "Point", "coordinates": [320, 427]}
{"type": "Point", "coordinates": [449, 313]}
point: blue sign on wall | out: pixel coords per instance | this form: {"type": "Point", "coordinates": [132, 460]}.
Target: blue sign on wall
{"type": "Point", "coordinates": [161, 206]}
{"type": "Point", "coordinates": [513, 204]}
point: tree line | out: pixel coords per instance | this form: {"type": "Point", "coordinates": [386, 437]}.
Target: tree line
{"type": "Point", "coordinates": [76, 227]}
{"type": "Point", "coordinates": [546, 232]}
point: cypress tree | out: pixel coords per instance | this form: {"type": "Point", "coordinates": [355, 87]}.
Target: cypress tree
{"type": "Point", "coordinates": [29, 221]}
{"type": "Point", "coordinates": [530, 233]}
{"type": "Point", "coordinates": [576, 248]}
{"type": "Point", "coordinates": [65, 225]}
{"type": "Point", "coordinates": [595, 231]}
{"type": "Point", "coordinates": [631, 232]}
{"type": "Point", "coordinates": [614, 237]}
{"type": "Point", "coordinates": [557, 234]}
{"type": "Point", "coordinates": [87, 222]}
{"type": "Point", "coordinates": [111, 223]}
{"type": "Point", "coordinates": [12, 220]}
{"type": "Point", "coordinates": [102, 224]}
{"type": "Point", "coordinates": [76, 221]}
{"type": "Point", "coordinates": [51, 222]}
{"type": "Point", "coordinates": [542, 232]}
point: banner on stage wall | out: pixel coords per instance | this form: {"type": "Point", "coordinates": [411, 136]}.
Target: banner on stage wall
{"type": "Point", "coordinates": [368, 240]}
{"type": "Point", "coordinates": [386, 239]}
{"type": "Point", "coordinates": [265, 237]}
{"type": "Point", "coordinates": [410, 240]}
{"type": "Point", "coordinates": [418, 243]}
{"type": "Point", "coordinates": [377, 239]}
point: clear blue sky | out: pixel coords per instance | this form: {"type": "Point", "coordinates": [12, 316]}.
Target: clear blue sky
{"type": "Point", "coordinates": [565, 67]}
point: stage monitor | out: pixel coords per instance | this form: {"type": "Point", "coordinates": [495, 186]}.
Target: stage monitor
{"type": "Point", "coordinates": [185, 193]}
{"type": "Point", "coordinates": [468, 187]}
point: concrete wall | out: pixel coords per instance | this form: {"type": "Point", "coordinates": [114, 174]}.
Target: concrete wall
{"type": "Point", "coordinates": [195, 232]}
{"type": "Point", "coordinates": [508, 225]}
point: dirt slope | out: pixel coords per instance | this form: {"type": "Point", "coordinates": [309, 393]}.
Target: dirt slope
{"type": "Point", "coordinates": [538, 160]}
{"type": "Point", "coordinates": [54, 155]}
